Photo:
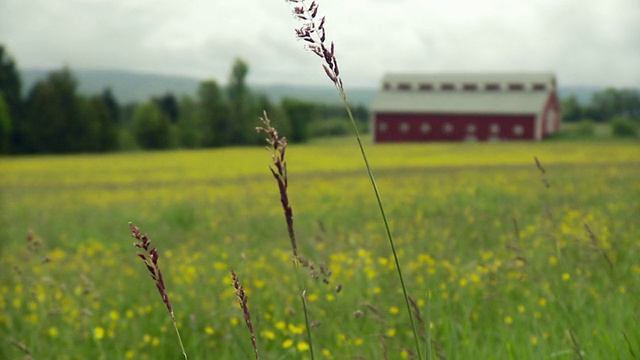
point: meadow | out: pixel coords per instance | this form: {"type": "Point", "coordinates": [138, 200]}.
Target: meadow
{"type": "Point", "coordinates": [504, 259]}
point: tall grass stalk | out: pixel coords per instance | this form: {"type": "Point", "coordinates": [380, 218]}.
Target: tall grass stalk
{"type": "Point", "coordinates": [278, 146]}
{"type": "Point", "coordinates": [543, 178]}
{"type": "Point", "coordinates": [242, 297]}
{"type": "Point", "coordinates": [307, 323]}
{"type": "Point", "coordinates": [150, 258]}
{"type": "Point", "coordinates": [314, 35]}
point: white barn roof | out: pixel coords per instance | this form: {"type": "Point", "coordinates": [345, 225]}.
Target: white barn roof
{"type": "Point", "coordinates": [464, 93]}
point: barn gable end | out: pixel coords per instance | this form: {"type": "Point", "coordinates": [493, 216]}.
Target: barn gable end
{"type": "Point", "coordinates": [459, 107]}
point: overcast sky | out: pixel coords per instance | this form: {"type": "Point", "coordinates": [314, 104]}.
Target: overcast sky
{"type": "Point", "coordinates": [585, 42]}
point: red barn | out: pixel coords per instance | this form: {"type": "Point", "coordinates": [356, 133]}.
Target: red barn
{"type": "Point", "coordinates": [465, 107]}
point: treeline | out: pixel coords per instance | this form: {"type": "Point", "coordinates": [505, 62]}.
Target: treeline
{"type": "Point", "coordinates": [604, 106]}
{"type": "Point", "coordinates": [54, 118]}
{"type": "Point", "coordinates": [618, 107]}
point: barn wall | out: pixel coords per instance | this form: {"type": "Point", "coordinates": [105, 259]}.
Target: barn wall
{"type": "Point", "coordinates": [398, 127]}
{"type": "Point", "coordinates": [551, 115]}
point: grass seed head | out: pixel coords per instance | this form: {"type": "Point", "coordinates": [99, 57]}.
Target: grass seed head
{"type": "Point", "coordinates": [150, 258]}
{"type": "Point", "coordinates": [279, 171]}
{"type": "Point", "coordinates": [313, 33]}
{"type": "Point", "coordinates": [242, 297]}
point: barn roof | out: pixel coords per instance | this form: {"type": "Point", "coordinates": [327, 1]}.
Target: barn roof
{"type": "Point", "coordinates": [503, 78]}
{"type": "Point", "coordinates": [458, 102]}
{"type": "Point", "coordinates": [510, 93]}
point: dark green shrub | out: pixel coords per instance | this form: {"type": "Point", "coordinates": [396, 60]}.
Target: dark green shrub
{"type": "Point", "coordinates": [330, 127]}
{"type": "Point", "coordinates": [334, 127]}
{"type": "Point", "coordinates": [624, 127]}
{"type": "Point", "coordinates": [585, 127]}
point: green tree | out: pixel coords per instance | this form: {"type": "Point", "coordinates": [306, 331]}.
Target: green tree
{"type": "Point", "coordinates": [5, 126]}
{"type": "Point", "coordinates": [214, 113]}
{"type": "Point", "coordinates": [614, 102]}
{"type": "Point", "coordinates": [571, 109]}
{"type": "Point", "coordinates": [101, 133]}
{"type": "Point", "coordinates": [10, 86]}
{"type": "Point", "coordinates": [239, 103]}
{"type": "Point", "coordinates": [151, 127]}
{"type": "Point", "coordinates": [300, 114]}
{"type": "Point", "coordinates": [190, 127]}
{"type": "Point", "coordinates": [53, 121]}
{"type": "Point", "coordinates": [630, 101]}
{"type": "Point", "coordinates": [168, 104]}
{"type": "Point", "coordinates": [112, 105]}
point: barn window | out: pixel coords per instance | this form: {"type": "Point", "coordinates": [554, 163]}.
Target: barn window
{"type": "Point", "coordinates": [539, 87]}
{"type": "Point", "coordinates": [494, 128]}
{"type": "Point", "coordinates": [447, 128]}
{"type": "Point", "coordinates": [470, 87]}
{"type": "Point", "coordinates": [447, 86]}
{"type": "Point", "coordinates": [516, 86]}
{"type": "Point", "coordinates": [383, 126]}
{"type": "Point", "coordinates": [471, 128]}
{"type": "Point", "coordinates": [518, 130]}
{"type": "Point", "coordinates": [404, 127]}
{"type": "Point", "coordinates": [492, 87]}
{"type": "Point", "coordinates": [425, 128]}
{"type": "Point", "coordinates": [404, 86]}
{"type": "Point", "coordinates": [426, 87]}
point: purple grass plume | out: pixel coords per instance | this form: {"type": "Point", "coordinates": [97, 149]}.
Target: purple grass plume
{"type": "Point", "coordinates": [313, 33]}
{"type": "Point", "coordinates": [242, 299]}
{"type": "Point", "coordinates": [150, 258]}
{"type": "Point", "coordinates": [278, 145]}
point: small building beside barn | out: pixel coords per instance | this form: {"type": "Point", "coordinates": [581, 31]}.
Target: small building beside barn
{"type": "Point", "coordinates": [465, 107]}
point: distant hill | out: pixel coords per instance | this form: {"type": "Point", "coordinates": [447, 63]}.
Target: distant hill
{"type": "Point", "coordinates": [130, 87]}
{"type": "Point", "coordinates": [137, 87]}
{"type": "Point", "coordinates": [126, 86]}
{"type": "Point", "coordinates": [319, 94]}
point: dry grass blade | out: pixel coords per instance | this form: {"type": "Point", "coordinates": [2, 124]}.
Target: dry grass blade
{"type": "Point", "coordinates": [383, 342]}
{"type": "Point", "coordinates": [539, 165]}
{"type": "Point", "coordinates": [22, 347]}
{"type": "Point", "coordinates": [594, 244]}
{"type": "Point", "coordinates": [577, 349]}
{"type": "Point", "coordinates": [543, 171]}
{"type": "Point", "coordinates": [379, 316]}
{"type": "Point", "coordinates": [416, 311]}
{"type": "Point", "coordinates": [626, 338]}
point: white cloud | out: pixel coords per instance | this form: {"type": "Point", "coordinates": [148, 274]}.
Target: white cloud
{"type": "Point", "coordinates": [588, 42]}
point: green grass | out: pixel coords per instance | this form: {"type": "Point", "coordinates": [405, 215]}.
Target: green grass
{"type": "Point", "coordinates": [512, 269]}
{"type": "Point", "coordinates": [588, 130]}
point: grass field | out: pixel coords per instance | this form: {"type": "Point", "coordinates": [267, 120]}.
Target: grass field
{"type": "Point", "coordinates": [516, 269]}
